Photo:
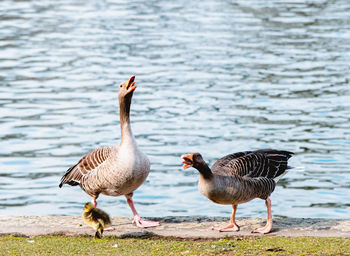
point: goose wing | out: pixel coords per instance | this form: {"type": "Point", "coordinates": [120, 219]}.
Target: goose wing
{"type": "Point", "coordinates": [89, 163]}
{"type": "Point", "coordinates": [267, 163]}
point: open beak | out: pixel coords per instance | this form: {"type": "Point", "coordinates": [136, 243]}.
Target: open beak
{"type": "Point", "coordinates": [187, 161]}
{"type": "Point", "coordinates": [131, 85]}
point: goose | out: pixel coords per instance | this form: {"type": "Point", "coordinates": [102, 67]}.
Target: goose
{"type": "Point", "coordinates": [240, 177]}
{"type": "Point", "coordinates": [114, 170]}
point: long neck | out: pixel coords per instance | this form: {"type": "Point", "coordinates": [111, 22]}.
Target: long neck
{"type": "Point", "coordinates": [204, 170]}
{"type": "Point", "coordinates": [124, 112]}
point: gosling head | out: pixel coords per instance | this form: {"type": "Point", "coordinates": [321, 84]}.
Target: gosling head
{"type": "Point", "coordinates": [88, 207]}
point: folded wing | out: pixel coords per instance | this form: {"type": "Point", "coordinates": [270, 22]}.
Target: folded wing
{"type": "Point", "coordinates": [89, 163]}
{"type": "Point", "coordinates": [266, 163]}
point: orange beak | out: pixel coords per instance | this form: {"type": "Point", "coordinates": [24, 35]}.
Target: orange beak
{"type": "Point", "coordinates": [187, 161]}
{"type": "Point", "coordinates": [131, 85]}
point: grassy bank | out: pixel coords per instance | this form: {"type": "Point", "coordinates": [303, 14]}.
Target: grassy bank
{"type": "Point", "coordinates": [83, 245]}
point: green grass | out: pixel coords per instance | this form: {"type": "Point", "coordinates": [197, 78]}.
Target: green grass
{"type": "Point", "coordinates": [83, 245]}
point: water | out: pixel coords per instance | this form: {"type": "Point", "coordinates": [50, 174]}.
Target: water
{"type": "Point", "coordinates": [213, 76]}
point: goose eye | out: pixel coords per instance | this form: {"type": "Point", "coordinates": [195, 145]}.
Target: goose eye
{"type": "Point", "coordinates": [121, 85]}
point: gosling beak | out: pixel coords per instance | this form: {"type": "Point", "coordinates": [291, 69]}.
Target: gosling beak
{"type": "Point", "coordinates": [131, 85]}
{"type": "Point", "coordinates": [187, 161]}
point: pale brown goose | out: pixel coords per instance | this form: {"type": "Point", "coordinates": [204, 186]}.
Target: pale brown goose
{"type": "Point", "coordinates": [114, 170]}
{"type": "Point", "coordinates": [240, 177]}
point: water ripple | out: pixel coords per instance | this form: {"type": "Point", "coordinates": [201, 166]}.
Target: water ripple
{"type": "Point", "coordinates": [213, 76]}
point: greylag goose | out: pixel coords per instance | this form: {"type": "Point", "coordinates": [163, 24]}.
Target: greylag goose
{"type": "Point", "coordinates": [240, 177]}
{"type": "Point", "coordinates": [114, 170]}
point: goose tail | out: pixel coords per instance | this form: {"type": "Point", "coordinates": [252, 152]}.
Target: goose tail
{"type": "Point", "coordinates": [298, 169]}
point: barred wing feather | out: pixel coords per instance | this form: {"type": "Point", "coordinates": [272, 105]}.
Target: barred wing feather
{"type": "Point", "coordinates": [267, 163]}
{"type": "Point", "coordinates": [88, 163]}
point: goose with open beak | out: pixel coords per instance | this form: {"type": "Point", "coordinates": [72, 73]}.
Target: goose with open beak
{"type": "Point", "coordinates": [114, 170]}
{"type": "Point", "coordinates": [240, 177]}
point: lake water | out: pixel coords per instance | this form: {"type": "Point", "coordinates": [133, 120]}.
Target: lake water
{"type": "Point", "coordinates": [213, 76]}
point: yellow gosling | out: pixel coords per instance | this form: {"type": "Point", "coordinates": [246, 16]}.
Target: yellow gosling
{"type": "Point", "coordinates": [96, 218]}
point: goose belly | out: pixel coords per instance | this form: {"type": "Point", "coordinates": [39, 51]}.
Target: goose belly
{"type": "Point", "coordinates": [127, 181]}
{"type": "Point", "coordinates": [118, 179]}
{"type": "Point", "coordinates": [221, 192]}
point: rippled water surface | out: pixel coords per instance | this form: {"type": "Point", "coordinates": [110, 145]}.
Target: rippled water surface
{"type": "Point", "coordinates": [213, 76]}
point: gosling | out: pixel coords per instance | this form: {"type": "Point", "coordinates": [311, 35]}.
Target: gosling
{"type": "Point", "coordinates": [96, 218]}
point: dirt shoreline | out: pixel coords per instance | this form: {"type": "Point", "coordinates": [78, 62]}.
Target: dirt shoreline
{"type": "Point", "coordinates": [197, 227]}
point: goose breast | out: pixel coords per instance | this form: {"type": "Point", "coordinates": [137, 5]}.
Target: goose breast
{"type": "Point", "coordinates": [122, 173]}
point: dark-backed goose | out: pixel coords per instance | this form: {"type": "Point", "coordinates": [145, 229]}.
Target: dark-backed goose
{"type": "Point", "coordinates": [114, 170]}
{"type": "Point", "coordinates": [239, 178]}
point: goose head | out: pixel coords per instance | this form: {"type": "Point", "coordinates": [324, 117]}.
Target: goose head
{"type": "Point", "coordinates": [194, 160]}
{"type": "Point", "coordinates": [127, 88]}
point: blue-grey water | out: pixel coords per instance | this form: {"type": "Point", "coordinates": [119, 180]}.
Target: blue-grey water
{"type": "Point", "coordinates": [213, 76]}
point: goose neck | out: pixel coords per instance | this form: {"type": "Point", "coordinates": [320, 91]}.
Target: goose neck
{"type": "Point", "coordinates": [124, 112]}
{"type": "Point", "coordinates": [205, 171]}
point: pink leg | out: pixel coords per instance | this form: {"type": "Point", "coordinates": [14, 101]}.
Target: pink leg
{"type": "Point", "coordinates": [137, 220]}
{"type": "Point", "coordinates": [93, 201]}
{"type": "Point", "coordinates": [233, 225]}
{"type": "Point", "coordinates": [268, 226]}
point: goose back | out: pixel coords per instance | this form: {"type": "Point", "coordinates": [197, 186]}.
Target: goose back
{"type": "Point", "coordinates": [267, 163]}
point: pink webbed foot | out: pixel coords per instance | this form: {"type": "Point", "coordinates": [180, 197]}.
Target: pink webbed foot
{"type": "Point", "coordinates": [230, 228]}
{"type": "Point", "coordinates": [144, 223]}
{"type": "Point", "coordinates": [267, 228]}
{"type": "Point", "coordinates": [263, 230]}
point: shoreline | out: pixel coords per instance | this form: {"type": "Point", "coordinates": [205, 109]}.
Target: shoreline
{"type": "Point", "coordinates": [192, 227]}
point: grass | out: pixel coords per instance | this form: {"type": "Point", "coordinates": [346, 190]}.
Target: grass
{"type": "Point", "coordinates": [85, 245]}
